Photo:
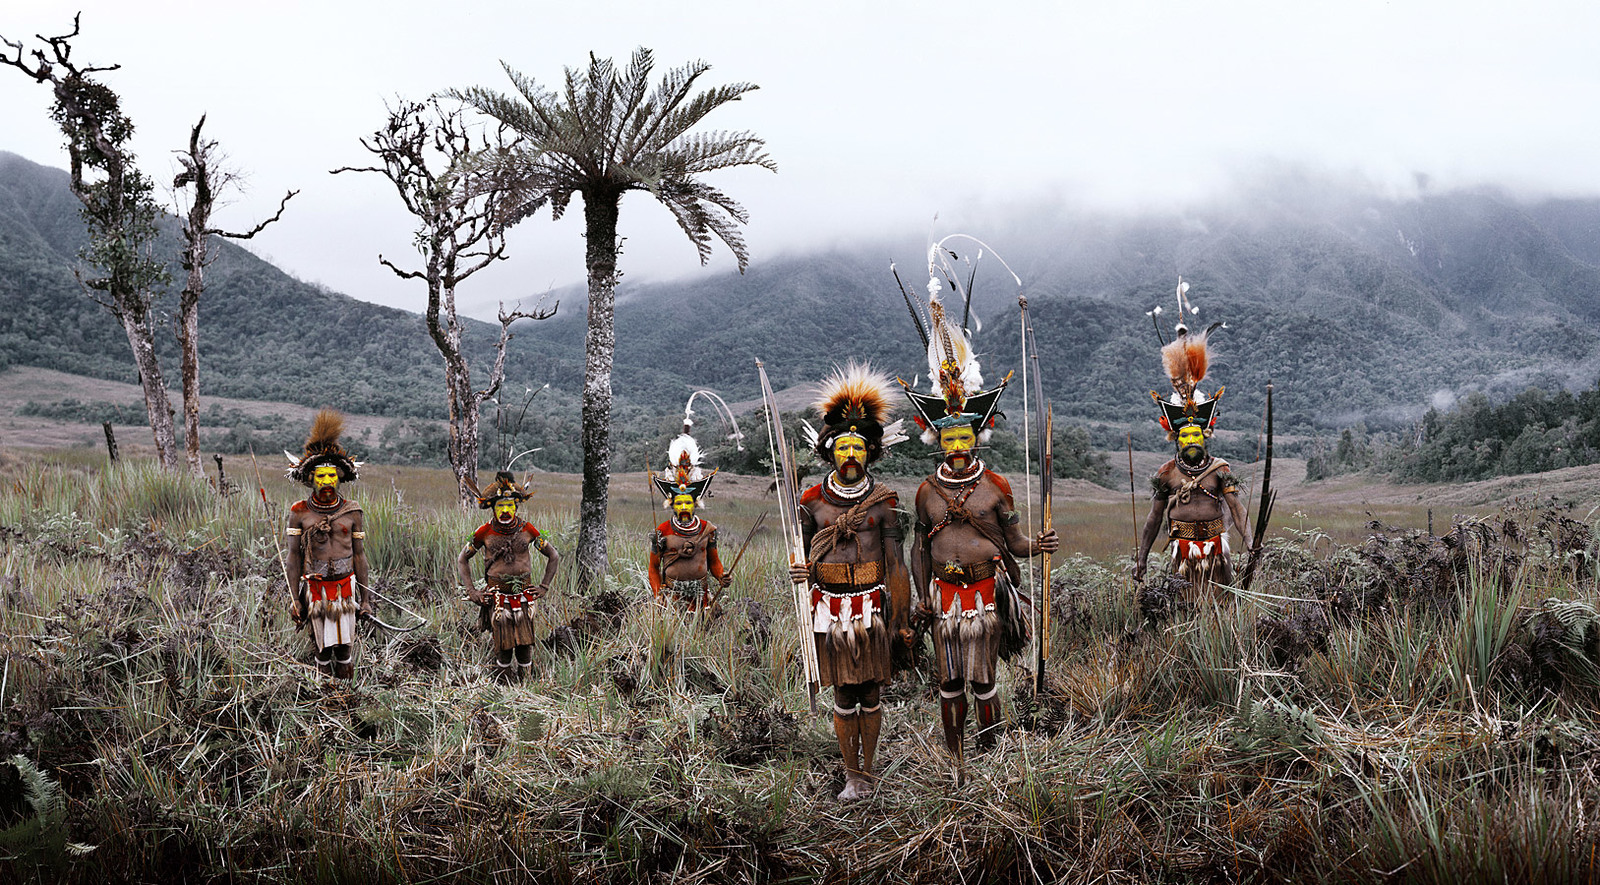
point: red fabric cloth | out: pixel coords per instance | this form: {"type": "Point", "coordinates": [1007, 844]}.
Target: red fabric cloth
{"type": "Point", "coordinates": [973, 596]}
{"type": "Point", "coordinates": [1187, 549]}
{"type": "Point", "coordinates": [515, 600]}
{"type": "Point", "coordinates": [343, 588]}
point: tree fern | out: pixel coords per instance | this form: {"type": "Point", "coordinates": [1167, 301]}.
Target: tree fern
{"type": "Point", "coordinates": [42, 838]}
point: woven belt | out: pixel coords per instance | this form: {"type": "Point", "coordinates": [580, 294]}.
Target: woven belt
{"type": "Point", "coordinates": [1195, 531]}
{"type": "Point", "coordinates": [951, 573]}
{"type": "Point", "coordinates": [848, 574]}
{"type": "Point", "coordinates": [321, 567]}
{"type": "Point", "coordinates": [511, 592]}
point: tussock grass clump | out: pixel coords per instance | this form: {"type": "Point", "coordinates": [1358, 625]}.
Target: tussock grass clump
{"type": "Point", "coordinates": [1412, 707]}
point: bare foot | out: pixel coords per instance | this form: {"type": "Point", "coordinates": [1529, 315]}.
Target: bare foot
{"type": "Point", "coordinates": [855, 787]}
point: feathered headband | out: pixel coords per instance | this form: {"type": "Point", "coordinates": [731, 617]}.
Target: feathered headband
{"type": "Point", "coordinates": [322, 447]}
{"type": "Point", "coordinates": [503, 488]}
{"type": "Point", "coordinates": [1186, 358]}
{"type": "Point", "coordinates": [683, 474]}
{"type": "Point", "coordinates": [854, 399]}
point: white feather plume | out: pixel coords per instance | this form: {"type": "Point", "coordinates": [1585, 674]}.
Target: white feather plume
{"type": "Point", "coordinates": [681, 444]}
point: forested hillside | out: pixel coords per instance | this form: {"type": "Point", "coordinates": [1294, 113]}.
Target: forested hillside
{"type": "Point", "coordinates": [1358, 307]}
{"type": "Point", "coordinates": [264, 335]}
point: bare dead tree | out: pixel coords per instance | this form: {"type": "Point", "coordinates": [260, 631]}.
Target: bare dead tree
{"type": "Point", "coordinates": [118, 208]}
{"type": "Point", "coordinates": [420, 149]}
{"type": "Point", "coordinates": [204, 170]}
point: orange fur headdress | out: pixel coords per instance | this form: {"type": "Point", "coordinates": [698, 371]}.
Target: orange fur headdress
{"type": "Point", "coordinates": [322, 447]}
{"type": "Point", "coordinates": [503, 488]}
{"type": "Point", "coordinates": [1186, 358]}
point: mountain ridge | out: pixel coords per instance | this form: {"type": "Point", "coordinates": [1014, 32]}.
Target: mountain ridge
{"type": "Point", "coordinates": [1357, 306]}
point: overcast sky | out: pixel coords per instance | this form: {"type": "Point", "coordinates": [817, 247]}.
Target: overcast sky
{"type": "Point", "coordinates": [879, 114]}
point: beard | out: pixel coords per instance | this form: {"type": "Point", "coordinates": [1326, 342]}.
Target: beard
{"type": "Point", "coordinates": [1193, 456]}
{"type": "Point", "coordinates": [958, 462]}
{"type": "Point", "coordinates": [505, 519]}
{"type": "Point", "coordinates": [851, 471]}
{"type": "Point", "coordinates": [683, 517]}
{"type": "Point", "coordinates": [326, 494]}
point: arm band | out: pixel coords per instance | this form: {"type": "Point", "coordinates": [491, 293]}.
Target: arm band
{"type": "Point", "coordinates": [291, 531]}
{"type": "Point", "coordinates": [359, 536]}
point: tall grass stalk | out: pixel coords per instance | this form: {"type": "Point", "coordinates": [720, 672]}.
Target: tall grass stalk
{"type": "Point", "coordinates": [150, 672]}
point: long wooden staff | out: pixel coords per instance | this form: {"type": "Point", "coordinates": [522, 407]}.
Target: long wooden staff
{"type": "Point", "coordinates": [1133, 502]}
{"type": "Point", "coordinates": [748, 535]}
{"type": "Point", "coordinates": [789, 515]}
{"type": "Point", "coordinates": [728, 572]}
{"type": "Point", "coordinates": [1041, 646]}
{"type": "Point", "coordinates": [283, 558]}
{"type": "Point", "coordinates": [1268, 499]}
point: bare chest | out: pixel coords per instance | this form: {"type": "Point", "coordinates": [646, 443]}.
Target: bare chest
{"type": "Point", "coordinates": [504, 554]}
{"type": "Point", "coordinates": [327, 535]}
{"type": "Point", "coordinates": [858, 538]}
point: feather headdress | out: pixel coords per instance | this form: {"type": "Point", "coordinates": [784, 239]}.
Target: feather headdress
{"type": "Point", "coordinates": [322, 447]}
{"type": "Point", "coordinates": [854, 399]}
{"type": "Point", "coordinates": [504, 487]}
{"type": "Point", "coordinates": [953, 370]}
{"type": "Point", "coordinates": [957, 382]}
{"type": "Point", "coordinates": [1186, 358]}
{"type": "Point", "coordinates": [683, 474]}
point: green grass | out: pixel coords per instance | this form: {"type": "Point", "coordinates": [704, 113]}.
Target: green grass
{"type": "Point", "coordinates": [1408, 710]}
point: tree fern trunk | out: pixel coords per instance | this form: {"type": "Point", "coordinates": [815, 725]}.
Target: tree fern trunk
{"type": "Point", "coordinates": [600, 257]}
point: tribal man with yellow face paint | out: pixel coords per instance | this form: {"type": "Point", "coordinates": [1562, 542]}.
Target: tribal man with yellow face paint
{"type": "Point", "coordinates": [683, 550]}
{"type": "Point", "coordinates": [1189, 493]}
{"type": "Point", "coordinates": [508, 594]}
{"type": "Point", "coordinates": [860, 591]}
{"type": "Point", "coordinates": [326, 548]}
{"type": "Point", "coordinates": [967, 542]}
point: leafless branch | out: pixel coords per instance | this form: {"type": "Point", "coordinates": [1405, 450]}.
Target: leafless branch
{"type": "Point", "coordinates": [258, 228]}
{"type": "Point", "coordinates": [402, 274]}
{"type": "Point", "coordinates": [497, 374]}
{"type": "Point", "coordinates": [60, 48]}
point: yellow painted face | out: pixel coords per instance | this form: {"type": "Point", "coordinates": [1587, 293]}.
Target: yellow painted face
{"type": "Point", "coordinates": [847, 447]}
{"type": "Point", "coordinates": [683, 506]}
{"type": "Point", "coordinates": [1191, 435]}
{"type": "Point", "coordinates": [960, 438]}
{"type": "Point", "coordinates": [324, 476]}
{"type": "Point", "coordinates": [505, 510]}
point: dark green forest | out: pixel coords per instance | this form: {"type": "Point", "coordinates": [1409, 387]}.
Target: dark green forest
{"type": "Point", "coordinates": [1534, 431]}
{"type": "Point", "coordinates": [1359, 309]}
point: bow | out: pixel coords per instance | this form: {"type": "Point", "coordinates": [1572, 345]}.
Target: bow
{"type": "Point", "coordinates": [789, 515]}
{"type": "Point", "coordinates": [1030, 349]}
{"type": "Point", "coordinates": [1268, 499]}
{"type": "Point", "coordinates": [390, 627]}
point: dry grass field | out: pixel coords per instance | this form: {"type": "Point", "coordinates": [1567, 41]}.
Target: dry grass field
{"type": "Point", "coordinates": [1386, 704]}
